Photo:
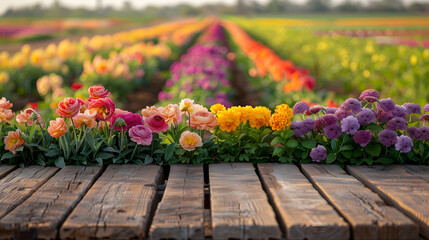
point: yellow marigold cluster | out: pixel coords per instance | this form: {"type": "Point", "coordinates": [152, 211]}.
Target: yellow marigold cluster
{"type": "Point", "coordinates": [260, 117]}
{"type": "Point", "coordinates": [216, 108]}
{"type": "Point", "coordinates": [229, 119]}
{"type": "Point", "coordinates": [245, 113]}
{"type": "Point", "coordinates": [281, 118]}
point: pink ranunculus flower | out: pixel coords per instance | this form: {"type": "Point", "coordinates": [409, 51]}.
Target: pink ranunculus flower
{"type": "Point", "coordinates": [103, 107]}
{"type": "Point", "coordinates": [156, 123]}
{"type": "Point", "coordinates": [25, 117]}
{"type": "Point", "coordinates": [69, 107]}
{"type": "Point", "coordinates": [131, 120]}
{"type": "Point", "coordinates": [150, 111]}
{"type": "Point", "coordinates": [141, 135]}
{"type": "Point", "coordinates": [190, 141]}
{"type": "Point", "coordinates": [171, 113]}
{"type": "Point", "coordinates": [13, 141]}
{"type": "Point", "coordinates": [98, 92]}
{"type": "Point", "coordinates": [5, 104]}
{"type": "Point", "coordinates": [203, 120]}
{"type": "Point", "coordinates": [6, 115]}
{"type": "Point", "coordinates": [85, 118]}
{"type": "Point", "coordinates": [57, 128]}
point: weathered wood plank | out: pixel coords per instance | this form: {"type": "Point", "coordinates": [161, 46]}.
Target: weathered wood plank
{"type": "Point", "coordinates": [43, 212]}
{"type": "Point", "coordinates": [303, 212]}
{"type": "Point", "coordinates": [118, 205]}
{"type": "Point", "coordinates": [6, 169]}
{"type": "Point", "coordinates": [407, 192]}
{"type": "Point", "coordinates": [368, 215]}
{"type": "Point", "coordinates": [20, 184]}
{"type": "Point", "coordinates": [240, 208]}
{"type": "Point", "coordinates": [418, 170]}
{"type": "Point", "coordinates": [180, 214]}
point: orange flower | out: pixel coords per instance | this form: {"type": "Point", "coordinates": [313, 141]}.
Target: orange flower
{"type": "Point", "coordinates": [171, 113]}
{"type": "Point", "coordinates": [260, 117]}
{"type": "Point", "coordinates": [69, 107]}
{"type": "Point", "coordinates": [57, 128]}
{"type": "Point", "coordinates": [150, 111]}
{"type": "Point", "coordinates": [13, 141]}
{"type": "Point", "coordinates": [279, 121]}
{"type": "Point", "coordinates": [5, 104]}
{"type": "Point", "coordinates": [284, 108]}
{"type": "Point", "coordinates": [228, 120]}
{"type": "Point", "coordinates": [25, 117]}
{"type": "Point", "coordinates": [216, 108]}
{"type": "Point", "coordinates": [98, 92]}
{"type": "Point", "coordinates": [203, 120]}
{"type": "Point", "coordinates": [103, 107]}
{"type": "Point", "coordinates": [85, 118]}
{"type": "Point", "coordinates": [6, 115]}
{"type": "Point", "coordinates": [190, 141]}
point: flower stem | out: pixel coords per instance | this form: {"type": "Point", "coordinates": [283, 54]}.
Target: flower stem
{"type": "Point", "coordinates": [134, 152]}
{"type": "Point", "coordinates": [74, 133]}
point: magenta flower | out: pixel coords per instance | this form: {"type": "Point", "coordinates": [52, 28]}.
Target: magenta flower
{"type": "Point", "coordinates": [131, 120]}
{"type": "Point", "coordinates": [404, 144]}
{"type": "Point", "coordinates": [342, 114]}
{"type": "Point", "coordinates": [370, 95]}
{"type": "Point", "coordinates": [362, 137]}
{"type": "Point", "coordinates": [424, 117]}
{"type": "Point", "coordinates": [156, 123]}
{"type": "Point", "coordinates": [387, 137]}
{"type": "Point", "coordinates": [318, 153]}
{"type": "Point", "coordinates": [300, 107]}
{"type": "Point", "coordinates": [313, 110]}
{"type": "Point", "coordinates": [331, 110]}
{"type": "Point", "coordinates": [141, 135]}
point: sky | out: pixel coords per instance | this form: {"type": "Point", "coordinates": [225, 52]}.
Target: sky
{"type": "Point", "coordinates": [5, 4]}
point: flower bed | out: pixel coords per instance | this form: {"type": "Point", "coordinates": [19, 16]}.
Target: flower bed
{"type": "Point", "coordinates": [95, 132]}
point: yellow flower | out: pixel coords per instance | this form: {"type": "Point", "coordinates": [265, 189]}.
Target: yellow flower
{"type": "Point", "coordinates": [284, 108]}
{"type": "Point", "coordinates": [216, 108]}
{"type": "Point", "coordinates": [260, 117]}
{"type": "Point", "coordinates": [4, 77]}
{"type": "Point", "coordinates": [279, 121]}
{"type": "Point", "coordinates": [187, 105]}
{"type": "Point", "coordinates": [228, 120]}
{"type": "Point", "coordinates": [245, 113]}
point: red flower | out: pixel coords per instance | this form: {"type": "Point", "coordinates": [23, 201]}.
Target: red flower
{"type": "Point", "coordinates": [34, 105]}
{"type": "Point", "coordinates": [103, 107]}
{"type": "Point", "coordinates": [76, 86]}
{"type": "Point", "coordinates": [69, 107]}
{"type": "Point", "coordinates": [98, 92]}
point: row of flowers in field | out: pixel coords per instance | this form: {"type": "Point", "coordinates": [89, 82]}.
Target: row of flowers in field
{"type": "Point", "coordinates": [201, 73]}
{"type": "Point", "coordinates": [95, 132]}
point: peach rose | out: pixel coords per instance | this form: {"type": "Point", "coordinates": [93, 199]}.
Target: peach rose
{"type": "Point", "coordinates": [98, 92]}
{"type": "Point", "coordinates": [203, 120]}
{"type": "Point", "coordinates": [13, 141]}
{"type": "Point", "coordinates": [120, 111]}
{"type": "Point", "coordinates": [85, 118]}
{"type": "Point", "coordinates": [190, 141]}
{"type": "Point", "coordinates": [171, 113]}
{"type": "Point", "coordinates": [103, 107]}
{"type": "Point", "coordinates": [69, 107]}
{"type": "Point", "coordinates": [57, 128]}
{"type": "Point", "coordinates": [6, 115]}
{"type": "Point", "coordinates": [25, 117]}
{"type": "Point", "coordinates": [187, 104]}
{"type": "Point", "coordinates": [5, 104]}
{"type": "Point", "coordinates": [150, 111]}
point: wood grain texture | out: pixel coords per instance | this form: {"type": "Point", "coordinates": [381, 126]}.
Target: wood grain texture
{"type": "Point", "coordinates": [303, 212]}
{"type": "Point", "coordinates": [20, 184]}
{"type": "Point", "coordinates": [240, 208]}
{"type": "Point", "coordinates": [180, 214]}
{"type": "Point", "coordinates": [368, 215]}
{"type": "Point", "coordinates": [421, 171]}
{"type": "Point", "coordinates": [43, 212]}
{"type": "Point", "coordinates": [6, 169]}
{"type": "Point", "coordinates": [118, 205]}
{"type": "Point", "coordinates": [402, 189]}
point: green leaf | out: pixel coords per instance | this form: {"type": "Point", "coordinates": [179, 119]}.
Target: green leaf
{"type": "Point", "coordinates": [104, 155]}
{"type": "Point", "coordinates": [278, 151]}
{"type": "Point", "coordinates": [99, 161]}
{"type": "Point", "coordinates": [374, 128]}
{"type": "Point", "coordinates": [53, 153]}
{"type": "Point", "coordinates": [331, 158]}
{"type": "Point", "coordinates": [334, 145]}
{"type": "Point", "coordinates": [348, 155]}
{"type": "Point", "coordinates": [148, 159]}
{"type": "Point", "coordinates": [289, 134]}
{"type": "Point", "coordinates": [310, 144]}
{"type": "Point", "coordinates": [373, 149]}
{"type": "Point", "coordinates": [385, 161]}
{"type": "Point", "coordinates": [346, 148]}
{"type": "Point", "coordinates": [41, 162]}
{"type": "Point", "coordinates": [285, 159]}
{"type": "Point", "coordinates": [110, 149]}
{"type": "Point", "coordinates": [7, 156]}
{"type": "Point", "coordinates": [277, 140]}
{"type": "Point", "coordinates": [292, 143]}
{"type": "Point", "coordinates": [243, 157]}
{"type": "Point", "coordinates": [169, 151]}
{"type": "Point", "coordinates": [59, 162]}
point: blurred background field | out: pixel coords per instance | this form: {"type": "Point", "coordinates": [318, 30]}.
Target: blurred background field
{"type": "Point", "coordinates": [280, 51]}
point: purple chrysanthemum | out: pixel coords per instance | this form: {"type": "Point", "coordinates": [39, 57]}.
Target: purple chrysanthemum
{"type": "Point", "coordinates": [414, 133]}
{"type": "Point", "coordinates": [300, 107]}
{"type": "Point", "coordinates": [318, 153]}
{"type": "Point", "coordinates": [362, 137]}
{"type": "Point", "coordinates": [308, 124]}
{"type": "Point", "coordinates": [426, 108]}
{"type": "Point", "coordinates": [424, 131]}
{"type": "Point", "coordinates": [424, 117]}
{"type": "Point", "coordinates": [387, 137]}
{"type": "Point", "coordinates": [313, 110]}
{"type": "Point", "coordinates": [342, 114]}
{"type": "Point", "coordinates": [325, 120]}
{"type": "Point", "coordinates": [413, 108]}
{"type": "Point", "coordinates": [370, 95]}
{"type": "Point", "coordinates": [331, 110]}
{"type": "Point", "coordinates": [397, 124]}
{"type": "Point", "coordinates": [333, 131]}
{"type": "Point", "coordinates": [404, 144]}
{"type": "Point", "coordinates": [387, 105]}
{"type": "Point", "coordinates": [319, 124]}
{"type": "Point", "coordinates": [350, 125]}
{"type": "Point", "coordinates": [298, 128]}
{"type": "Point", "coordinates": [366, 116]}
{"type": "Point", "coordinates": [351, 104]}
{"type": "Point", "coordinates": [400, 111]}
{"type": "Point", "coordinates": [383, 116]}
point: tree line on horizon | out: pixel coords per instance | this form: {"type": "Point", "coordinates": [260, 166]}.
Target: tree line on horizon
{"type": "Point", "coordinates": [241, 7]}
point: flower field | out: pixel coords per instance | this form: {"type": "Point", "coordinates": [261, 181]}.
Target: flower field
{"type": "Point", "coordinates": [322, 95]}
